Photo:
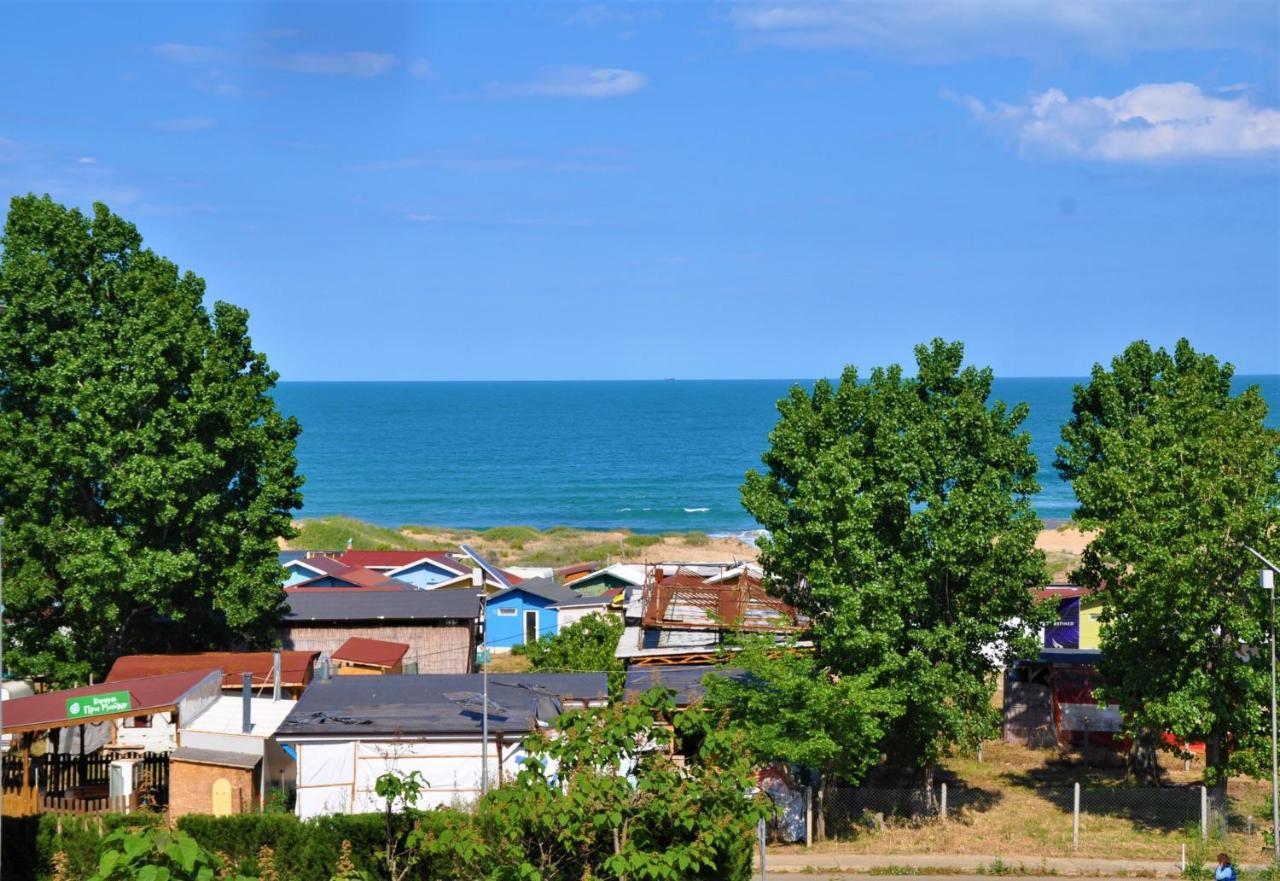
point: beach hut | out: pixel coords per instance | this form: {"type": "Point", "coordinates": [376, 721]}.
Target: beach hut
{"type": "Point", "coordinates": [524, 613]}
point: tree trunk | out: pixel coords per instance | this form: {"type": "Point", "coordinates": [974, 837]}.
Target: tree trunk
{"type": "Point", "coordinates": [927, 775]}
{"type": "Point", "coordinates": [1142, 761]}
{"type": "Point", "coordinates": [1216, 757]}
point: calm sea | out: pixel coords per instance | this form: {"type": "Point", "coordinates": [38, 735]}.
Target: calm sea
{"type": "Point", "coordinates": [650, 456]}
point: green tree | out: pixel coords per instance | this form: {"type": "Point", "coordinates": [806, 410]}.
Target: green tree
{"type": "Point", "coordinates": [899, 520]}
{"type": "Point", "coordinates": [587, 644]}
{"type": "Point", "coordinates": [796, 711]}
{"type": "Point", "coordinates": [605, 798]}
{"type": "Point", "coordinates": [145, 472]}
{"type": "Point", "coordinates": [1176, 474]}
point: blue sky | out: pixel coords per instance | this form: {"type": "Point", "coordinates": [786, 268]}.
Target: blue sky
{"type": "Point", "coordinates": [541, 191]}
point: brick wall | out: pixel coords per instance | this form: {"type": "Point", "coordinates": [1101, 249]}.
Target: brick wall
{"type": "Point", "coordinates": [191, 788]}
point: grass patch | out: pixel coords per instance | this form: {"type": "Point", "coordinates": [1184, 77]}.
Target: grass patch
{"type": "Point", "coordinates": [696, 539]}
{"type": "Point", "coordinates": [332, 534]}
{"type": "Point", "coordinates": [642, 541]}
{"type": "Point", "coordinates": [511, 534]}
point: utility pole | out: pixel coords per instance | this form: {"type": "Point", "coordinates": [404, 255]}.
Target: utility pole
{"type": "Point", "coordinates": [1267, 579]}
{"type": "Point", "coordinates": [477, 581]}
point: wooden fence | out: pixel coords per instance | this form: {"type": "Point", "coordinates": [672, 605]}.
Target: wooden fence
{"type": "Point", "coordinates": [72, 784]}
{"type": "Point", "coordinates": [26, 801]}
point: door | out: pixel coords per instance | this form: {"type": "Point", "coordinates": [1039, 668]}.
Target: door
{"type": "Point", "coordinates": [530, 626]}
{"type": "Point", "coordinates": [221, 797]}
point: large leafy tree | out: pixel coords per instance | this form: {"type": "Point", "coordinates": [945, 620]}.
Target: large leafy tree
{"type": "Point", "coordinates": [145, 472]}
{"type": "Point", "coordinates": [1176, 475]}
{"type": "Point", "coordinates": [899, 520]}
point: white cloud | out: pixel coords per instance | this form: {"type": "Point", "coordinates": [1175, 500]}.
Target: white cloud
{"type": "Point", "coordinates": [185, 124]}
{"type": "Point", "coordinates": [87, 160]}
{"type": "Point", "coordinates": [1154, 121]}
{"type": "Point", "coordinates": [577, 82]}
{"type": "Point", "coordinates": [420, 69]}
{"type": "Point", "coordinates": [949, 30]}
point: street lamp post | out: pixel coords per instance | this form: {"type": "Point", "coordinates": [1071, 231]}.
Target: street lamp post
{"type": "Point", "coordinates": [1267, 579]}
{"type": "Point", "coordinates": [477, 581]}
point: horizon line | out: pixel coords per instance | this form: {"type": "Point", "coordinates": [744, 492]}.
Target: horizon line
{"type": "Point", "coordinates": [675, 379]}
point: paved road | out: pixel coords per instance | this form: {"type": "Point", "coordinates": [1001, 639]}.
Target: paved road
{"type": "Point", "coordinates": [962, 864]}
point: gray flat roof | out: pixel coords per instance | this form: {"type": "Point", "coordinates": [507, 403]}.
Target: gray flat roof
{"type": "Point", "coordinates": [215, 757]}
{"type": "Point", "coordinates": [435, 704]}
{"type": "Point", "coordinates": [319, 604]}
{"type": "Point", "coordinates": [546, 588]}
{"type": "Point", "coordinates": [686, 682]}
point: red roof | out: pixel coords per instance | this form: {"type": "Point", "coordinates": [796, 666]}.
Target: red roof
{"type": "Point", "coordinates": [295, 667]}
{"type": "Point", "coordinates": [355, 576]}
{"type": "Point", "coordinates": [147, 695]}
{"type": "Point", "coordinates": [1060, 592]}
{"type": "Point", "coordinates": [373, 652]}
{"type": "Point", "coordinates": [396, 559]}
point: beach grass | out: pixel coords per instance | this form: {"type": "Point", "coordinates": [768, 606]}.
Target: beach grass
{"type": "Point", "coordinates": [519, 545]}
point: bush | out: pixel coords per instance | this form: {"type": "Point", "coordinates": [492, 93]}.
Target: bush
{"type": "Point", "coordinates": [697, 539]}
{"type": "Point", "coordinates": [641, 541]}
{"type": "Point", "coordinates": [510, 534]}
{"type": "Point", "coordinates": [27, 844]}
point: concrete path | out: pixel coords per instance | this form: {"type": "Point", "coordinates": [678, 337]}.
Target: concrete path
{"type": "Point", "coordinates": [966, 864]}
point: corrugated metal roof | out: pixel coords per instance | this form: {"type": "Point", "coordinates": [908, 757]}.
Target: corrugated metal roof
{"type": "Point", "coordinates": [148, 694]}
{"type": "Point", "coordinates": [374, 652]}
{"type": "Point", "coordinates": [295, 666]}
{"type": "Point", "coordinates": [337, 604]}
{"type": "Point", "coordinates": [439, 704]}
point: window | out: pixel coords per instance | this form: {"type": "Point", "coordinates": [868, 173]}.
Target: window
{"type": "Point", "coordinates": [507, 613]}
{"type": "Point", "coordinates": [138, 722]}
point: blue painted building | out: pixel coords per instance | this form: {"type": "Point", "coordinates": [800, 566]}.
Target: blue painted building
{"type": "Point", "coordinates": [524, 613]}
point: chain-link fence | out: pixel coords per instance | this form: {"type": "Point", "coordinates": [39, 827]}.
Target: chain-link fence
{"type": "Point", "coordinates": [1070, 812]}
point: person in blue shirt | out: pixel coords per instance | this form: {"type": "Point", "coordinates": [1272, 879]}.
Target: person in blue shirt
{"type": "Point", "coordinates": [1226, 871]}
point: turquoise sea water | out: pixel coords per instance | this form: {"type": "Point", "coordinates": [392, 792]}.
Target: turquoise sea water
{"type": "Point", "coordinates": [651, 456]}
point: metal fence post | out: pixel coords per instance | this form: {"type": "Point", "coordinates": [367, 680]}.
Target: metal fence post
{"type": "Point", "coordinates": [1075, 819]}
{"type": "Point", "coordinates": [944, 803]}
{"type": "Point", "coordinates": [1204, 813]}
{"type": "Point", "coordinates": [808, 816]}
{"type": "Point", "coordinates": [762, 832]}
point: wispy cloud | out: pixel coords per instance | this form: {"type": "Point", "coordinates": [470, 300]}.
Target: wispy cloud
{"type": "Point", "coordinates": [185, 124]}
{"type": "Point", "coordinates": [355, 64]}
{"type": "Point", "coordinates": [352, 63]}
{"type": "Point", "coordinates": [428, 218]}
{"type": "Point", "coordinates": [946, 30]}
{"type": "Point", "coordinates": [1151, 122]}
{"type": "Point", "coordinates": [67, 176]}
{"type": "Point", "coordinates": [575, 82]}
{"type": "Point", "coordinates": [477, 163]}
{"type": "Point", "coordinates": [594, 15]}
{"type": "Point", "coordinates": [421, 69]}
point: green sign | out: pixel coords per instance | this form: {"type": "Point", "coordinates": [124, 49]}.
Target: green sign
{"type": "Point", "coordinates": [483, 656]}
{"type": "Point", "coordinates": [98, 704]}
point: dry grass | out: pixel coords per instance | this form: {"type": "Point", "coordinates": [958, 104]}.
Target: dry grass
{"type": "Point", "coordinates": [1019, 820]}
{"type": "Point", "coordinates": [509, 662]}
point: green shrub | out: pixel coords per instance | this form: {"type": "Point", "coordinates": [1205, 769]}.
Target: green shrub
{"type": "Point", "coordinates": [641, 541]}
{"type": "Point", "coordinates": [510, 534]}
{"type": "Point", "coordinates": [696, 539]}
{"type": "Point", "coordinates": [27, 844]}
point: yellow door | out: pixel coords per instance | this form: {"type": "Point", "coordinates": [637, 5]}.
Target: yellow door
{"type": "Point", "coordinates": [221, 797]}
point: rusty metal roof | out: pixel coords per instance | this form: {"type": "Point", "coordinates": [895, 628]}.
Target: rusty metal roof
{"type": "Point", "coordinates": [371, 652]}
{"type": "Point", "coordinates": [295, 666]}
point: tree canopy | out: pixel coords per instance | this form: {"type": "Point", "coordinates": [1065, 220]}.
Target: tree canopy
{"type": "Point", "coordinates": [145, 472]}
{"type": "Point", "coordinates": [899, 520]}
{"type": "Point", "coordinates": [1176, 475]}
